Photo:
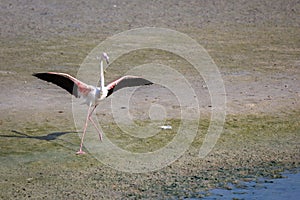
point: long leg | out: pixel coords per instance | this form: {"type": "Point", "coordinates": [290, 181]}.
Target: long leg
{"type": "Point", "coordinates": [84, 130]}
{"type": "Point", "coordinates": [99, 132]}
{"type": "Point", "coordinates": [93, 122]}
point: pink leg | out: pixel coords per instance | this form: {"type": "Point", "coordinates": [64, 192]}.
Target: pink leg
{"type": "Point", "coordinates": [84, 130]}
{"type": "Point", "coordinates": [99, 132]}
{"type": "Point", "coordinates": [93, 122]}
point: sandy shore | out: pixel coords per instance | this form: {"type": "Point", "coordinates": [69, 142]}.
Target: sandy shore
{"type": "Point", "coordinates": [255, 45]}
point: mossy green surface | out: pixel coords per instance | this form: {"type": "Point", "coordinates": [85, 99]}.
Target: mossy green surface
{"type": "Point", "coordinates": [36, 164]}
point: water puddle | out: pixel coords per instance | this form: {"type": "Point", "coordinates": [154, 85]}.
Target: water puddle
{"type": "Point", "coordinates": [273, 189]}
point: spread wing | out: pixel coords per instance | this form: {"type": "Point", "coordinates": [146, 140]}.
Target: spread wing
{"type": "Point", "coordinates": [65, 81]}
{"type": "Point", "coordinates": [126, 81]}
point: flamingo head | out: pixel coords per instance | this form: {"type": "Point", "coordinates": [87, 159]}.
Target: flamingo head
{"type": "Point", "coordinates": [105, 57]}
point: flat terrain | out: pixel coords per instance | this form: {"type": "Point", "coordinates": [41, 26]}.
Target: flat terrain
{"type": "Point", "coordinates": [255, 44]}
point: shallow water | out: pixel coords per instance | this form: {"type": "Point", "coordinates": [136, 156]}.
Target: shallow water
{"type": "Point", "coordinates": [273, 189]}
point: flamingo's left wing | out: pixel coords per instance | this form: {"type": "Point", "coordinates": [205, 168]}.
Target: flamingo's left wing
{"type": "Point", "coordinates": [126, 81]}
{"type": "Point", "coordinates": [65, 81]}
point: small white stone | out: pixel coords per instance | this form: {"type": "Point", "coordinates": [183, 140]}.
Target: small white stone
{"type": "Point", "coordinates": [167, 127]}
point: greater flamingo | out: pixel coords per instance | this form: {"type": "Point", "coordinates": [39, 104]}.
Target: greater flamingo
{"type": "Point", "coordinates": [91, 94]}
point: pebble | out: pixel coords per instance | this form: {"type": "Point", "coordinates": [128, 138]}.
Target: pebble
{"type": "Point", "coordinates": [167, 127]}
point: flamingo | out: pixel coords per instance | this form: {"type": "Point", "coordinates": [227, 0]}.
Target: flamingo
{"type": "Point", "coordinates": [92, 95]}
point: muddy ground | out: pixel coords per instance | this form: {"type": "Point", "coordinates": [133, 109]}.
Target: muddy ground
{"type": "Point", "coordinates": [255, 44]}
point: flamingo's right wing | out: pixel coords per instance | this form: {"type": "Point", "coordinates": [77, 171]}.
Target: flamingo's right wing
{"type": "Point", "coordinates": [65, 81]}
{"type": "Point", "coordinates": [126, 81]}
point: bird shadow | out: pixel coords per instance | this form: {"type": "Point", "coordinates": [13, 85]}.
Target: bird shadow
{"type": "Point", "coordinates": [51, 137]}
{"type": "Point", "coordinates": [48, 137]}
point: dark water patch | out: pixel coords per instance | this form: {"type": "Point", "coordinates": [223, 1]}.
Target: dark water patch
{"type": "Point", "coordinates": [287, 187]}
